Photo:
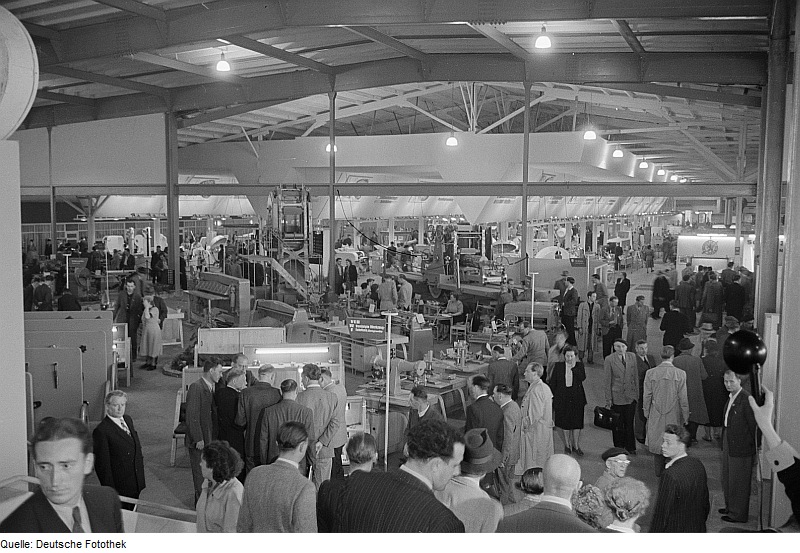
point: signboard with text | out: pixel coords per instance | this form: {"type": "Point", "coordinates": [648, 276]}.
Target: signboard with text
{"type": "Point", "coordinates": [371, 329]}
{"type": "Point", "coordinates": [578, 261]}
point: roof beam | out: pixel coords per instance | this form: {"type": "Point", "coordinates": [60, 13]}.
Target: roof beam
{"type": "Point", "coordinates": [40, 31]}
{"type": "Point", "coordinates": [280, 54]}
{"type": "Point", "coordinates": [186, 67]}
{"type": "Point", "coordinates": [136, 8]}
{"type": "Point", "coordinates": [566, 68]}
{"type": "Point", "coordinates": [105, 79]}
{"type": "Point", "coordinates": [687, 93]}
{"type": "Point", "coordinates": [214, 115]}
{"type": "Point", "coordinates": [428, 114]}
{"type": "Point", "coordinates": [624, 29]}
{"type": "Point", "coordinates": [611, 189]}
{"type": "Point", "coordinates": [391, 42]}
{"type": "Point", "coordinates": [66, 98]}
{"type": "Point", "coordinates": [511, 115]}
{"type": "Point", "coordinates": [493, 33]}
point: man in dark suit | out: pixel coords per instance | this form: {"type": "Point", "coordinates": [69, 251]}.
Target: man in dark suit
{"type": "Point", "coordinates": [227, 400]}
{"type": "Point", "coordinates": [269, 422]}
{"type": "Point", "coordinates": [682, 503]}
{"type": "Point", "coordinates": [503, 371]}
{"type": "Point", "coordinates": [339, 277]}
{"type": "Point", "coordinates": [621, 390]}
{"type": "Point", "coordinates": [201, 419]}
{"type": "Point", "coordinates": [644, 362]}
{"type": "Point", "coordinates": [129, 309]}
{"type": "Point", "coordinates": [118, 459]}
{"type": "Point", "coordinates": [68, 301]}
{"type": "Point", "coordinates": [253, 400]}
{"type": "Point", "coordinates": [738, 450]}
{"type": "Point", "coordinates": [43, 295]}
{"type": "Point", "coordinates": [27, 293]}
{"type": "Point", "coordinates": [421, 409]}
{"type": "Point", "coordinates": [611, 321]}
{"type": "Point", "coordinates": [402, 500]}
{"type": "Point", "coordinates": [485, 413]}
{"type": "Point", "coordinates": [553, 513]}
{"type": "Point", "coordinates": [569, 310]}
{"type": "Point", "coordinates": [62, 455]}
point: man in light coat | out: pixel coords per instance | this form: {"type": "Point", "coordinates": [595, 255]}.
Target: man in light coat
{"type": "Point", "coordinates": [512, 419]}
{"type": "Point", "coordinates": [664, 402]}
{"type": "Point", "coordinates": [340, 438]}
{"type": "Point", "coordinates": [326, 422]}
{"type": "Point", "coordinates": [621, 390]}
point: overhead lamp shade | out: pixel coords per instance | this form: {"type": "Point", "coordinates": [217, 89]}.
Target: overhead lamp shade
{"type": "Point", "coordinates": [452, 140]}
{"type": "Point", "coordinates": [589, 135]}
{"type": "Point", "coordinates": [661, 172]}
{"type": "Point", "coordinates": [542, 41]}
{"type": "Point", "coordinates": [674, 178]}
{"type": "Point", "coordinates": [328, 148]}
{"type": "Point", "coordinates": [683, 180]}
{"type": "Point", "coordinates": [643, 165]}
{"type": "Point", "coordinates": [222, 64]}
{"type": "Point", "coordinates": [618, 153]}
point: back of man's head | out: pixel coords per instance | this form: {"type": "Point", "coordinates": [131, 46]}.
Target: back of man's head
{"type": "Point", "coordinates": [312, 372]}
{"type": "Point", "coordinates": [361, 448]}
{"type": "Point", "coordinates": [481, 382]}
{"type": "Point", "coordinates": [52, 429]}
{"type": "Point", "coordinates": [433, 438]}
{"type": "Point", "coordinates": [499, 350]}
{"type": "Point", "coordinates": [266, 373]}
{"type": "Point", "coordinates": [667, 352]}
{"type": "Point", "coordinates": [562, 475]}
{"type": "Point", "coordinates": [289, 388]}
{"type": "Point", "coordinates": [290, 435]}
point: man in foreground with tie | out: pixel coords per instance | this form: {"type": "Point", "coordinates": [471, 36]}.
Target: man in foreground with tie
{"type": "Point", "coordinates": [62, 454]}
{"type": "Point", "coordinates": [118, 459]}
{"type": "Point", "coordinates": [621, 390]}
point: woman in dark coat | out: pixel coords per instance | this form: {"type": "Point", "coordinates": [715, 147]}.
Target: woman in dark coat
{"type": "Point", "coordinates": [714, 391]}
{"type": "Point", "coordinates": [569, 399]}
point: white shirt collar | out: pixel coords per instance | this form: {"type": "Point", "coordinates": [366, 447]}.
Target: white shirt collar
{"type": "Point", "coordinates": [417, 475]}
{"type": "Point", "coordinates": [672, 461]}
{"type": "Point", "coordinates": [480, 396]}
{"type": "Point", "coordinates": [64, 512]}
{"type": "Point", "coordinates": [733, 395]}
{"type": "Point", "coordinates": [295, 464]}
{"type": "Point", "coordinates": [623, 529]}
{"type": "Point", "coordinates": [555, 499]}
{"type": "Point", "coordinates": [313, 385]}
{"type": "Point", "coordinates": [467, 481]}
{"type": "Point", "coordinates": [423, 411]}
{"type": "Point", "coordinates": [505, 403]}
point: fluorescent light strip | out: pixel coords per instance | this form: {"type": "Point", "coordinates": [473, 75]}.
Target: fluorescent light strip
{"type": "Point", "coordinates": [267, 351]}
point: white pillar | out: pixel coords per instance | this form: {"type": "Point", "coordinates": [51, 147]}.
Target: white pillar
{"type": "Point", "coordinates": [12, 393]}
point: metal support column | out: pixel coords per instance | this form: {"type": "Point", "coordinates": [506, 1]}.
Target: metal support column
{"type": "Point", "coordinates": [526, 147]}
{"type": "Point", "coordinates": [767, 274]}
{"type": "Point", "coordinates": [331, 192]}
{"type": "Point", "coordinates": [173, 196]}
{"type": "Point", "coordinates": [787, 378]}
{"type": "Point", "coordinates": [53, 225]}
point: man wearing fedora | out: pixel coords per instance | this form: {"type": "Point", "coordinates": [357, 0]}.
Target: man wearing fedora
{"type": "Point", "coordinates": [553, 513]}
{"type": "Point", "coordinates": [695, 374]}
{"type": "Point", "coordinates": [463, 494]}
{"type": "Point", "coordinates": [730, 326]}
{"type": "Point", "coordinates": [675, 325]}
{"type": "Point", "coordinates": [561, 286]}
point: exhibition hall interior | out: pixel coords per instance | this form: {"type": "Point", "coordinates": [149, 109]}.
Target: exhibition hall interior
{"type": "Point", "coordinates": [399, 266]}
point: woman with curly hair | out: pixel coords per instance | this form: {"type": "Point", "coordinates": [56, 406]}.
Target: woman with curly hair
{"type": "Point", "coordinates": [221, 498]}
{"type": "Point", "coordinates": [590, 506]}
{"type": "Point", "coordinates": [628, 499]}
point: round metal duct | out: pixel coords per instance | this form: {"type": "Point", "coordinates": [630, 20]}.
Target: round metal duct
{"type": "Point", "coordinates": [19, 73]}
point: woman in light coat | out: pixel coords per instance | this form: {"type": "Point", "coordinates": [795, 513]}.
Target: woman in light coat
{"type": "Point", "coordinates": [587, 327]}
{"type": "Point", "coordinates": [536, 445]}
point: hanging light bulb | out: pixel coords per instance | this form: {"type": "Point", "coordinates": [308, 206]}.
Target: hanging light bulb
{"type": "Point", "coordinates": [328, 148]}
{"type": "Point", "coordinates": [661, 172]}
{"type": "Point", "coordinates": [452, 140]}
{"type": "Point", "coordinates": [589, 134]}
{"type": "Point", "coordinates": [222, 64]}
{"type": "Point", "coordinates": [617, 152]}
{"type": "Point", "coordinates": [643, 164]}
{"type": "Point", "coordinates": [674, 178]}
{"type": "Point", "coordinates": [683, 180]}
{"type": "Point", "coordinates": [542, 41]}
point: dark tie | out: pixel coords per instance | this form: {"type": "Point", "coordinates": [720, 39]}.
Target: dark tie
{"type": "Point", "coordinates": [125, 426]}
{"type": "Point", "coordinates": [622, 357]}
{"type": "Point", "coordinates": [76, 521]}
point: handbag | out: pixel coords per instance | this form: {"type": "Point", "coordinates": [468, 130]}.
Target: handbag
{"type": "Point", "coordinates": [606, 418]}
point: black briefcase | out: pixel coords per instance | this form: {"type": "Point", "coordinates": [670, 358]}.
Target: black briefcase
{"type": "Point", "coordinates": [606, 418]}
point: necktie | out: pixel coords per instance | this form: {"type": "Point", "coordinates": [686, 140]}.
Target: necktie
{"type": "Point", "coordinates": [124, 426]}
{"type": "Point", "coordinates": [622, 357]}
{"type": "Point", "coordinates": [76, 520]}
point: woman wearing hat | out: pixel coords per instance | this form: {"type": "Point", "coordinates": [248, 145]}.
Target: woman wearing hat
{"type": "Point", "coordinates": [569, 400]}
{"type": "Point", "coordinates": [536, 444]}
{"type": "Point", "coordinates": [463, 494]}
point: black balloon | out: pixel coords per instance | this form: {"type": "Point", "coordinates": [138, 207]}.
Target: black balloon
{"type": "Point", "coordinates": [743, 350]}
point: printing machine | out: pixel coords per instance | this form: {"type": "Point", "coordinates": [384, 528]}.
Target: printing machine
{"type": "Point", "coordinates": [220, 298]}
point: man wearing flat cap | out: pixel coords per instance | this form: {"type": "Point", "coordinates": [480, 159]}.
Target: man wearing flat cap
{"type": "Point", "coordinates": [695, 374]}
{"type": "Point", "coordinates": [616, 460]}
{"type": "Point", "coordinates": [463, 494]}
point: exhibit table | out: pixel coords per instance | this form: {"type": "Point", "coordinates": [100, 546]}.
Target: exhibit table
{"type": "Point", "coordinates": [357, 353]}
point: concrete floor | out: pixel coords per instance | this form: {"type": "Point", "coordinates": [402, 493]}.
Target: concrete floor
{"type": "Point", "coordinates": [151, 403]}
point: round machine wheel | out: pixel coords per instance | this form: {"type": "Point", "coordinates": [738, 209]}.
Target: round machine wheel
{"type": "Point", "coordinates": [435, 291]}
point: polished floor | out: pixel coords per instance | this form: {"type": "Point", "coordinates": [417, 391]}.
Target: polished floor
{"type": "Point", "coordinates": [151, 403]}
